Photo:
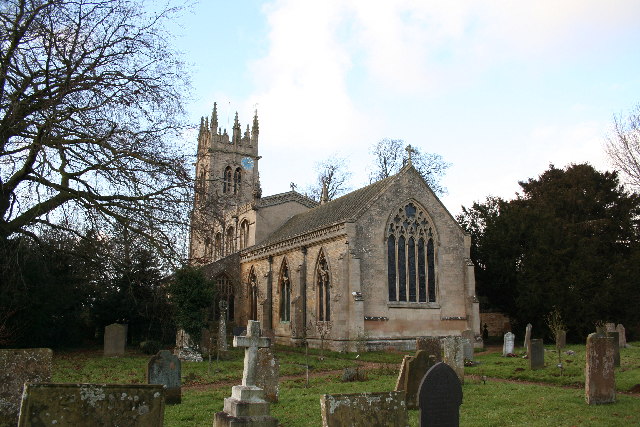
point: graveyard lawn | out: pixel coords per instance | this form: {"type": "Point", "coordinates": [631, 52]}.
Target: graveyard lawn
{"type": "Point", "coordinates": [508, 401]}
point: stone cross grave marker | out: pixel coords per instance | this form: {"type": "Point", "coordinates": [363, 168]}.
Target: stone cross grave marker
{"type": "Point", "coordinates": [251, 342]}
{"type": "Point", "coordinates": [140, 405]}
{"type": "Point", "coordinates": [364, 410]}
{"type": "Point", "coordinates": [622, 336]}
{"type": "Point", "coordinates": [536, 355]}
{"type": "Point", "coordinates": [268, 375]}
{"type": "Point", "coordinates": [431, 345]}
{"type": "Point", "coordinates": [115, 339]}
{"type": "Point", "coordinates": [509, 344]}
{"type": "Point", "coordinates": [417, 367]}
{"type": "Point", "coordinates": [440, 397]}
{"type": "Point", "coordinates": [453, 355]}
{"type": "Point", "coordinates": [16, 368]}
{"type": "Point", "coordinates": [616, 348]}
{"type": "Point", "coordinates": [527, 338]}
{"type": "Point", "coordinates": [600, 381]}
{"type": "Point", "coordinates": [164, 369]}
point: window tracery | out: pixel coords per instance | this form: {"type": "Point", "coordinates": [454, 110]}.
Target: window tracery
{"type": "Point", "coordinates": [226, 180]}
{"type": "Point", "coordinates": [244, 234]}
{"type": "Point", "coordinates": [237, 178]}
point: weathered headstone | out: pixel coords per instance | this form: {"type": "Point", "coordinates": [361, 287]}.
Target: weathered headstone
{"type": "Point", "coordinates": [17, 367]}
{"type": "Point", "coordinates": [440, 397]}
{"type": "Point", "coordinates": [622, 336]}
{"type": "Point", "coordinates": [453, 355]}
{"type": "Point", "coordinates": [364, 410]}
{"type": "Point", "coordinates": [561, 339]}
{"type": "Point", "coordinates": [403, 373]}
{"type": "Point", "coordinates": [417, 367]}
{"type": "Point", "coordinates": [247, 406]}
{"type": "Point", "coordinates": [536, 355]}
{"type": "Point", "coordinates": [616, 348]}
{"type": "Point", "coordinates": [268, 374]}
{"type": "Point", "coordinates": [140, 405]}
{"type": "Point", "coordinates": [165, 369]}
{"type": "Point", "coordinates": [184, 348]}
{"type": "Point", "coordinates": [222, 327]}
{"type": "Point", "coordinates": [115, 339]}
{"type": "Point", "coordinates": [432, 345]}
{"type": "Point", "coordinates": [610, 327]}
{"type": "Point", "coordinates": [467, 349]}
{"type": "Point", "coordinates": [509, 344]}
{"type": "Point", "coordinates": [600, 382]}
{"type": "Point", "coordinates": [527, 338]}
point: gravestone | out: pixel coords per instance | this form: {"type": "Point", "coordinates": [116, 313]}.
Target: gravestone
{"type": "Point", "coordinates": [364, 410]}
{"type": "Point", "coordinates": [467, 349]}
{"type": "Point", "coordinates": [164, 369]}
{"type": "Point", "coordinates": [31, 365]}
{"type": "Point", "coordinates": [527, 338]}
{"type": "Point", "coordinates": [440, 397]}
{"type": "Point", "coordinates": [417, 367]}
{"type": "Point", "coordinates": [561, 339]}
{"type": "Point", "coordinates": [509, 344]}
{"type": "Point", "coordinates": [453, 355]}
{"type": "Point", "coordinates": [140, 405]}
{"type": "Point", "coordinates": [610, 327]}
{"type": "Point", "coordinates": [616, 348]}
{"type": "Point", "coordinates": [403, 373]}
{"type": "Point", "coordinates": [247, 405]}
{"type": "Point", "coordinates": [268, 374]}
{"type": "Point", "coordinates": [115, 339]}
{"type": "Point", "coordinates": [600, 382]}
{"type": "Point", "coordinates": [184, 348]}
{"type": "Point", "coordinates": [432, 345]}
{"type": "Point", "coordinates": [536, 355]}
{"type": "Point", "coordinates": [622, 336]}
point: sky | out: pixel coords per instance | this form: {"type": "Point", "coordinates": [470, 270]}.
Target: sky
{"type": "Point", "coordinates": [499, 89]}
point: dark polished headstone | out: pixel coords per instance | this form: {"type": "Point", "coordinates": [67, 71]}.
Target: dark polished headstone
{"type": "Point", "coordinates": [440, 397]}
{"type": "Point", "coordinates": [536, 356]}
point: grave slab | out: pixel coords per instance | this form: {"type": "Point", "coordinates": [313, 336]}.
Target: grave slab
{"type": "Point", "coordinates": [600, 382]}
{"type": "Point", "coordinates": [364, 410]}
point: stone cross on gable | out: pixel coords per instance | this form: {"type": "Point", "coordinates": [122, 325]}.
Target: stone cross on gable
{"type": "Point", "coordinates": [252, 342]}
{"type": "Point", "coordinates": [293, 186]}
{"type": "Point", "coordinates": [410, 150]}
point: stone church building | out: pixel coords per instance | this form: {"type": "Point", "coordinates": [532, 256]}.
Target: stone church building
{"type": "Point", "coordinates": [372, 269]}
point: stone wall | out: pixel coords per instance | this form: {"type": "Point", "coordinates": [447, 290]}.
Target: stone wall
{"type": "Point", "coordinates": [497, 323]}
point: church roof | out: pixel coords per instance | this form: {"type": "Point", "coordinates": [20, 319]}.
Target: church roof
{"type": "Point", "coordinates": [342, 209]}
{"type": "Point", "coordinates": [290, 196]}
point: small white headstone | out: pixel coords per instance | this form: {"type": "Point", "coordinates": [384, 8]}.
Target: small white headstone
{"type": "Point", "coordinates": [509, 342]}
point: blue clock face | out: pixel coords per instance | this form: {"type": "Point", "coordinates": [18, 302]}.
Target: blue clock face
{"type": "Point", "coordinates": [247, 163]}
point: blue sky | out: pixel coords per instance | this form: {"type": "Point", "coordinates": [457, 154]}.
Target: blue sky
{"type": "Point", "coordinates": [500, 89]}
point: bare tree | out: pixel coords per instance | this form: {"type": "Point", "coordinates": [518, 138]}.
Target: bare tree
{"type": "Point", "coordinates": [90, 106]}
{"type": "Point", "coordinates": [623, 146]}
{"type": "Point", "coordinates": [334, 172]}
{"type": "Point", "coordinates": [390, 155]}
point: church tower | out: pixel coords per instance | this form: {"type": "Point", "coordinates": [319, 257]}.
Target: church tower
{"type": "Point", "coordinates": [226, 179]}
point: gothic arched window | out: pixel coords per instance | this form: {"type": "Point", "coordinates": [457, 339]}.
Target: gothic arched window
{"type": "Point", "coordinates": [285, 292]}
{"type": "Point", "coordinates": [226, 180]}
{"type": "Point", "coordinates": [244, 234]}
{"type": "Point", "coordinates": [237, 178]}
{"type": "Point", "coordinates": [410, 256]}
{"type": "Point", "coordinates": [218, 246]}
{"type": "Point", "coordinates": [252, 292]}
{"type": "Point", "coordinates": [323, 288]}
{"type": "Point", "coordinates": [225, 296]}
{"type": "Point", "coordinates": [228, 241]}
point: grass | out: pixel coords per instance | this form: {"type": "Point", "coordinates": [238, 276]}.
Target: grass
{"type": "Point", "coordinates": [493, 403]}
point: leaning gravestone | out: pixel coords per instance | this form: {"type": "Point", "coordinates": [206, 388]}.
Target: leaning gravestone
{"type": "Point", "coordinates": [115, 339]}
{"type": "Point", "coordinates": [616, 348]}
{"type": "Point", "coordinates": [17, 367]}
{"type": "Point", "coordinates": [268, 374]}
{"type": "Point", "coordinates": [600, 381]}
{"type": "Point", "coordinates": [247, 406]}
{"type": "Point", "coordinates": [416, 370]}
{"type": "Point", "coordinates": [403, 373]}
{"type": "Point", "coordinates": [527, 338]}
{"type": "Point", "coordinates": [164, 369]}
{"type": "Point", "coordinates": [509, 343]}
{"type": "Point", "coordinates": [364, 410]}
{"type": "Point", "coordinates": [431, 345]}
{"type": "Point", "coordinates": [440, 397]}
{"type": "Point", "coordinates": [453, 355]}
{"type": "Point", "coordinates": [622, 336]}
{"type": "Point", "coordinates": [561, 339]}
{"type": "Point", "coordinates": [536, 355]}
{"type": "Point", "coordinates": [140, 405]}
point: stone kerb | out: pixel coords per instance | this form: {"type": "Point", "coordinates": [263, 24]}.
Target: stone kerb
{"type": "Point", "coordinates": [140, 405]}
{"type": "Point", "coordinates": [440, 397]}
{"type": "Point", "coordinates": [165, 369]}
{"type": "Point", "coordinates": [16, 368]}
{"type": "Point", "coordinates": [600, 382]}
{"type": "Point", "coordinates": [364, 410]}
{"type": "Point", "coordinates": [115, 339]}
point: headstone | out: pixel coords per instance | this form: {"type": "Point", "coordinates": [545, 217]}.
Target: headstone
{"type": "Point", "coordinates": [364, 409]}
{"type": "Point", "coordinates": [268, 375]}
{"type": "Point", "coordinates": [453, 356]}
{"type": "Point", "coordinates": [247, 405]}
{"type": "Point", "coordinates": [527, 338]}
{"type": "Point", "coordinates": [600, 382]}
{"type": "Point", "coordinates": [184, 348]}
{"type": "Point", "coordinates": [622, 336]}
{"type": "Point", "coordinates": [164, 369]}
{"type": "Point", "coordinates": [440, 397]}
{"type": "Point", "coordinates": [561, 339]}
{"type": "Point", "coordinates": [610, 327]}
{"type": "Point", "coordinates": [467, 349]}
{"type": "Point", "coordinates": [536, 355]}
{"type": "Point", "coordinates": [115, 339]}
{"type": "Point", "coordinates": [616, 348]}
{"type": "Point", "coordinates": [403, 373]}
{"type": "Point", "coordinates": [140, 405]}
{"type": "Point", "coordinates": [417, 367]}
{"type": "Point", "coordinates": [509, 344]}
{"type": "Point", "coordinates": [432, 345]}
{"type": "Point", "coordinates": [17, 367]}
